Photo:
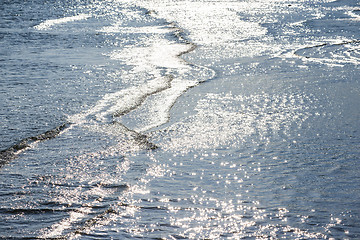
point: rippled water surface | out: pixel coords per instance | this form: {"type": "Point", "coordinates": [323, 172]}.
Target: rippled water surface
{"type": "Point", "coordinates": [184, 119]}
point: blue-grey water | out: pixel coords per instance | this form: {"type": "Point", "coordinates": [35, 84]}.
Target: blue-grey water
{"type": "Point", "coordinates": [192, 119]}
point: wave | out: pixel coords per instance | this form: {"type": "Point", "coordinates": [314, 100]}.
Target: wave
{"type": "Point", "coordinates": [148, 104]}
{"type": "Point", "coordinates": [51, 22]}
{"type": "Point", "coordinates": [13, 151]}
{"type": "Point", "coordinates": [332, 54]}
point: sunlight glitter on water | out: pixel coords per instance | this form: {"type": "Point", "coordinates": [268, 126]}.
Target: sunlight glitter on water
{"type": "Point", "coordinates": [209, 22]}
{"type": "Point", "coordinates": [254, 135]}
{"type": "Point", "coordinates": [159, 53]}
{"type": "Point", "coordinates": [238, 117]}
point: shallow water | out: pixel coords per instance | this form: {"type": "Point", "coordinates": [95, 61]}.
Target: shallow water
{"type": "Point", "coordinates": [189, 119]}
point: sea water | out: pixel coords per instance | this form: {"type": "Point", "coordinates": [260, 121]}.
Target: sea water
{"type": "Point", "coordinates": [192, 119]}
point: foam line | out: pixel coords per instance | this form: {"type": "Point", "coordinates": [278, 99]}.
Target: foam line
{"type": "Point", "coordinates": [51, 22]}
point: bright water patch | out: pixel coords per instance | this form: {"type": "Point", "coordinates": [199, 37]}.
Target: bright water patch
{"type": "Point", "coordinates": [238, 118]}
{"type": "Point", "coordinates": [194, 119]}
{"type": "Point", "coordinates": [48, 24]}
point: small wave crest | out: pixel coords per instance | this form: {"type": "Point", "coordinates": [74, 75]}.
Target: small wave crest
{"type": "Point", "coordinates": [147, 104]}
{"type": "Point", "coordinates": [48, 24]}
{"type": "Point", "coordinates": [11, 152]}
{"type": "Point", "coordinates": [332, 54]}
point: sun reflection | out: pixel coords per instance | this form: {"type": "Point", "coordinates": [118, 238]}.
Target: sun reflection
{"type": "Point", "coordinates": [212, 195]}
{"type": "Point", "coordinates": [227, 120]}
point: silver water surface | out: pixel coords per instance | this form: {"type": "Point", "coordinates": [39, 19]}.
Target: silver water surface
{"type": "Point", "coordinates": [252, 134]}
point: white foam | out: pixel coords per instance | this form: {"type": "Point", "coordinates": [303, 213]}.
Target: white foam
{"type": "Point", "coordinates": [119, 102]}
{"type": "Point", "coordinates": [354, 16]}
{"type": "Point", "coordinates": [118, 28]}
{"type": "Point", "coordinates": [209, 22]}
{"type": "Point", "coordinates": [155, 111]}
{"type": "Point", "coordinates": [159, 53]}
{"type": "Point", "coordinates": [150, 100]}
{"type": "Point", "coordinates": [51, 22]}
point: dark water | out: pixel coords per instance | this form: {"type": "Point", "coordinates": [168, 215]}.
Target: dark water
{"type": "Point", "coordinates": [179, 120]}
